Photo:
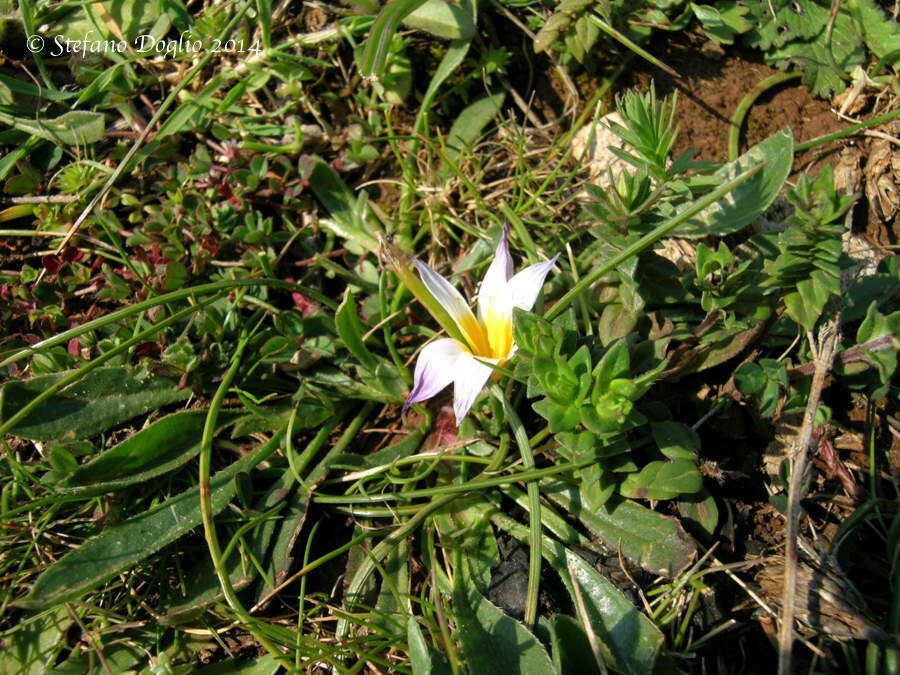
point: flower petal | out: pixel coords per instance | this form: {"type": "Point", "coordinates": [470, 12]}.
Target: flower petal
{"type": "Point", "coordinates": [452, 301]}
{"type": "Point", "coordinates": [469, 379]}
{"type": "Point", "coordinates": [435, 369]}
{"type": "Point", "coordinates": [525, 286]}
{"type": "Point", "coordinates": [493, 297]}
{"type": "Point", "coordinates": [500, 270]}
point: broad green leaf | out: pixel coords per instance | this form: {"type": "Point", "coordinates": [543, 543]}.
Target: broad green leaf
{"type": "Point", "coordinates": [76, 127]}
{"type": "Point", "coordinates": [388, 380]}
{"type": "Point", "coordinates": [700, 510]}
{"type": "Point", "coordinates": [451, 21]}
{"type": "Point", "coordinates": [676, 440]}
{"type": "Point", "coordinates": [31, 649]}
{"type": "Point", "coordinates": [654, 541]}
{"type": "Point", "coordinates": [118, 657]}
{"type": "Point", "coordinates": [627, 640]}
{"type": "Point", "coordinates": [123, 546]}
{"type": "Point", "coordinates": [615, 364]}
{"type": "Point", "coordinates": [270, 542]}
{"type": "Point", "coordinates": [749, 378]}
{"type": "Point", "coordinates": [468, 127]}
{"type": "Point", "coordinates": [392, 604]}
{"type": "Point", "coordinates": [424, 658]}
{"type": "Point", "coordinates": [572, 651]}
{"type": "Point", "coordinates": [93, 22]}
{"type": "Point", "coordinates": [559, 417]}
{"type": "Point", "coordinates": [350, 330]}
{"type": "Point", "coordinates": [880, 32]}
{"type": "Point", "coordinates": [663, 480]}
{"type": "Point", "coordinates": [102, 399]}
{"type": "Point", "coordinates": [164, 446]}
{"type": "Point", "coordinates": [493, 643]}
{"type": "Point", "coordinates": [749, 200]}
{"type": "Point", "coordinates": [463, 527]}
{"type": "Point", "coordinates": [597, 485]}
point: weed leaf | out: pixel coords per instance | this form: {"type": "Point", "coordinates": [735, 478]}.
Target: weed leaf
{"type": "Point", "coordinates": [121, 547]}
{"type": "Point", "coordinates": [492, 642]}
{"type": "Point", "coordinates": [654, 541]}
{"type": "Point", "coordinates": [749, 200]}
{"type": "Point", "coordinates": [164, 446]}
{"type": "Point", "coordinates": [101, 400]}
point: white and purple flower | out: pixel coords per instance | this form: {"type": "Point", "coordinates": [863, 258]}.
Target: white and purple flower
{"type": "Point", "coordinates": [488, 337]}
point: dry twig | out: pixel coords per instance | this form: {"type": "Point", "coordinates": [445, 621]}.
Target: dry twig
{"type": "Point", "coordinates": [828, 342]}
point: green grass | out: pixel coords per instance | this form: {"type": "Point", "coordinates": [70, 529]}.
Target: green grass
{"type": "Point", "coordinates": [210, 329]}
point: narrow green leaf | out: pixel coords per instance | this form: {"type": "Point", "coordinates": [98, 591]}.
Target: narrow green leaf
{"type": "Point", "coordinates": [102, 399]}
{"type": "Point", "coordinates": [348, 215]}
{"type": "Point", "coordinates": [164, 446]}
{"type": "Point", "coordinates": [378, 44]}
{"type": "Point", "coordinates": [121, 547]}
{"type": "Point", "coordinates": [350, 330]}
{"type": "Point", "coordinates": [425, 660]}
{"type": "Point", "coordinates": [29, 90]}
{"type": "Point", "coordinates": [469, 126]}
{"type": "Point", "coordinates": [456, 54]}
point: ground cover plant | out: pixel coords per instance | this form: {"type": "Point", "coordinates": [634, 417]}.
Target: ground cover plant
{"type": "Point", "coordinates": [250, 423]}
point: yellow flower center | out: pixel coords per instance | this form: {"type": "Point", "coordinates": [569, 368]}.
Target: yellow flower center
{"type": "Point", "coordinates": [491, 339]}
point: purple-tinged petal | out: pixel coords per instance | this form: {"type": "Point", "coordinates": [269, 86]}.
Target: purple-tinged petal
{"type": "Point", "coordinates": [525, 286]}
{"type": "Point", "coordinates": [469, 379]}
{"type": "Point", "coordinates": [435, 369]}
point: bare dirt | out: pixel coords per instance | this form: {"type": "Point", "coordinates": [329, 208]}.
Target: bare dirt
{"type": "Point", "coordinates": [710, 86]}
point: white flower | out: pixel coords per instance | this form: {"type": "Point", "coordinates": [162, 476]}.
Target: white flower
{"type": "Point", "coordinates": [488, 337]}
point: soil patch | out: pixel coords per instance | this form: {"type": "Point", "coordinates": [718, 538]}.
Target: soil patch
{"type": "Point", "coordinates": [710, 85]}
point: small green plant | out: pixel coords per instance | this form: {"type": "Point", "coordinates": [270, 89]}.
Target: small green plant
{"type": "Point", "coordinates": [808, 265]}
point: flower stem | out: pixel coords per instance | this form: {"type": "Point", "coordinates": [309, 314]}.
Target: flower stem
{"type": "Point", "coordinates": [534, 508]}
